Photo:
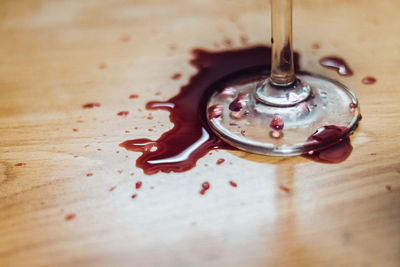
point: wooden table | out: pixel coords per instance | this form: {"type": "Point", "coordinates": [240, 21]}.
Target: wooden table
{"type": "Point", "coordinates": [58, 55]}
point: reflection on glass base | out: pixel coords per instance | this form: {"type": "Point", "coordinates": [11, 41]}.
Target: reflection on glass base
{"type": "Point", "coordinates": [235, 113]}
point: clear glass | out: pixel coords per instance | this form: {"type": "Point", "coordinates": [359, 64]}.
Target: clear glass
{"type": "Point", "coordinates": [275, 113]}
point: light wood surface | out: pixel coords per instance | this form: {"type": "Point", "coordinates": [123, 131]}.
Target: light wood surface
{"type": "Point", "coordinates": [56, 56]}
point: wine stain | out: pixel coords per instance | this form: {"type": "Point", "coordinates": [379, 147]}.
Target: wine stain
{"type": "Point", "coordinates": [178, 149]}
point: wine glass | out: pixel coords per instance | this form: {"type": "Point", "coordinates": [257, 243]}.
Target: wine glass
{"type": "Point", "coordinates": [281, 113]}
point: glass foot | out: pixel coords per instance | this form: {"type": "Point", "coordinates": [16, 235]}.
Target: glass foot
{"type": "Point", "coordinates": [236, 113]}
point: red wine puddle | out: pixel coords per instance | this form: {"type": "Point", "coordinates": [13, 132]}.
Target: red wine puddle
{"type": "Point", "coordinates": [178, 149]}
{"type": "Point", "coordinates": [336, 153]}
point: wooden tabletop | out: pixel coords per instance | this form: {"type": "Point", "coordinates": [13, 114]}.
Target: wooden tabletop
{"type": "Point", "coordinates": [58, 55]}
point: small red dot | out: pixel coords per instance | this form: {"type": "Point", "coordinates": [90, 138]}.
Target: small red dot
{"type": "Point", "coordinates": [123, 113]}
{"type": "Point", "coordinates": [176, 76]}
{"type": "Point", "coordinates": [89, 174]}
{"type": "Point", "coordinates": [138, 185]}
{"type": "Point", "coordinates": [112, 188]}
{"type": "Point", "coordinates": [205, 185]}
{"type": "Point", "coordinates": [70, 216]}
{"type": "Point", "coordinates": [220, 161]}
{"type": "Point", "coordinates": [284, 188]}
{"type": "Point", "coordinates": [132, 96]}
{"type": "Point", "coordinates": [134, 196]}
{"type": "Point", "coordinates": [91, 105]}
{"type": "Point", "coordinates": [232, 183]}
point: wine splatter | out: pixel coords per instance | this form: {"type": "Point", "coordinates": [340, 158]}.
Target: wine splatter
{"type": "Point", "coordinates": [178, 149]}
{"type": "Point", "coordinates": [190, 139]}
{"type": "Point", "coordinates": [70, 217]}
{"type": "Point", "coordinates": [284, 188]}
{"type": "Point", "coordinates": [123, 113]}
{"type": "Point", "coordinates": [220, 161]}
{"type": "Point", "coordinates": [138, 185]}
{"type": "Point", "coordinates": [112, 188]}
{"type": "Point", "coordinates": [91, 105]}
{"type": "Point", "coordinates": [133, 96]}
{"type": "Point", "coordinates": [336, 153]}
{"type": "Point", "coordinates": [176, 76]}
{"type": "Point", "coordinates": [233, 184]}
{"type": "Point", "coordinates": [337, 64]}
{"type": "Point", "coordinates": [204, 187]}
{"type": "Point", "coordinates": [368, 80]}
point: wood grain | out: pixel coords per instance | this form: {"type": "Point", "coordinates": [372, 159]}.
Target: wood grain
{"type": "Point", "coordinates": [58, 55]}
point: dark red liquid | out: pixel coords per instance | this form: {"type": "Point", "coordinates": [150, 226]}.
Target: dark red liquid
{"type": "Point", "coordinates": [335, 153]}
{"type": "Point", "coordinates": [20, 164]}
{"type": "Point", "coordinates": [91, 105]}
{"type": "Point", "coordinates": [239, 103]}
{"type": "Point", "coordinates": [338, 64]}
{"type": "Point", "coordinates": [190, 138]}
{"type": "Point", "coordinates": [276, 123]}
{"type": "Point", "coordinates": [138, 185]}
{"type": "Point", "coordinates": [112, 188]}
{"type": "Point", "coordinates": [70, 216]}
{"type": "Point", "coordinates": [123, 113]}
{"type": "Point", "coordinates": [204, 187]}
{"type": "Point", "coordinates": [133, 96]}
{"type": "Point", "coordinates": [220, 161]}
{"type": "Point", "coordinates": [176, 76]}
{"type": "Point", "coordinates": [232, 183]}
{"type": "Point", "coordinates": [368, 80]}
{"type": "Point", "coordinates": [284, 188]}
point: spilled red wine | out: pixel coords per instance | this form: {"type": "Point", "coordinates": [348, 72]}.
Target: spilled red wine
{"type": "Point", "coordinates": [368, 80]}
{"type": "Point", "coordinates": [337, 64]}
{"type": "Point", "coordinates": [335, 153]}
{"type": "Point", "coordinates": [91, 105]}
{"type": "Point", "coordinates": [191, 138]}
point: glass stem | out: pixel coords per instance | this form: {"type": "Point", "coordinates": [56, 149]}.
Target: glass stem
{"type": "Point", "coordinates": [282, 67]}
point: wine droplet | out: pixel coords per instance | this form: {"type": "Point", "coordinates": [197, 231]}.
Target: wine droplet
{"type": "Point", "coordinates": [276, 123]}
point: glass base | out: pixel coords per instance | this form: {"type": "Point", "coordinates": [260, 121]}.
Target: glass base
{"type": "Point", "coordinates": [236, 114]}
